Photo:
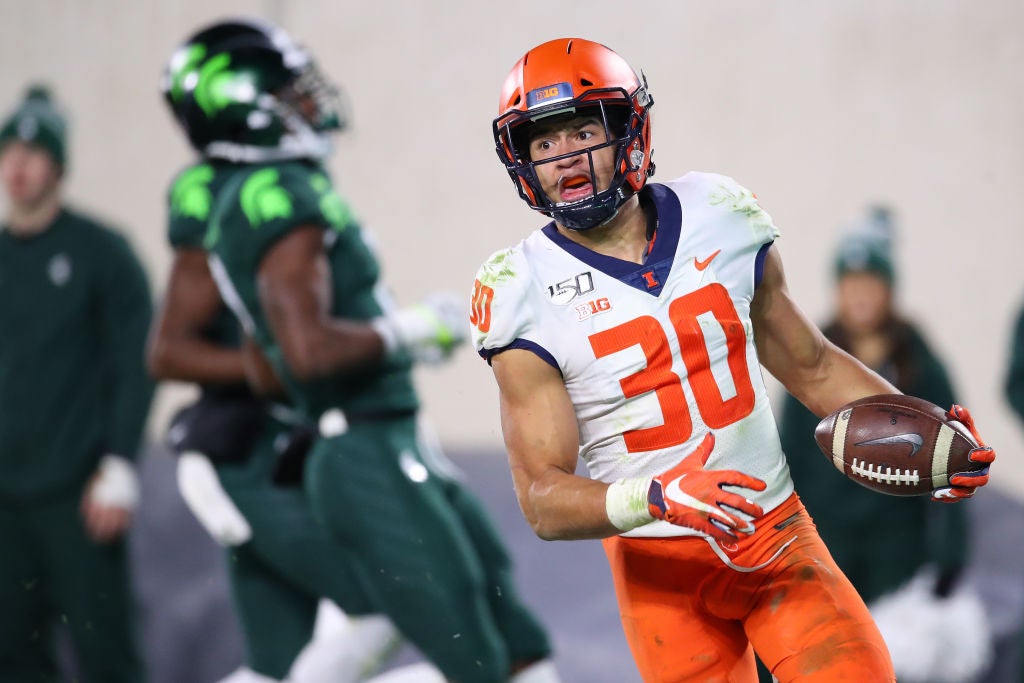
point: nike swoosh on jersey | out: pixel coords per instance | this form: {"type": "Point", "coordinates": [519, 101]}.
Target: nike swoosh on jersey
{"type": "Point", "coordinates": [913, 440]}
{"type": "Point", "coordinates": [701, 265]}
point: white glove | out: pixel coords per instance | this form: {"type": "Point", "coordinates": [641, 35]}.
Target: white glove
{"type": "Point", "coordinates": [206, 498]}
{"type": "Point", "coordinates": [116, 484]}
{"type": "Point", "coordinates": [429, 330]}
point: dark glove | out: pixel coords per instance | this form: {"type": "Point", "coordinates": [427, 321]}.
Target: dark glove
{"type": "Point", "coordinates": [224, 428]}
{"type": "Point", "coordinates": [291, 459]}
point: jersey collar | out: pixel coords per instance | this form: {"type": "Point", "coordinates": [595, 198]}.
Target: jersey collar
{"type": "Point", "coordinates": [651, 275]}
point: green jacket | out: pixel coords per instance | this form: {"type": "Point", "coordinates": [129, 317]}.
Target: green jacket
{"type": "Point", "coordinates": [75, 309]}
{"type": "Point", "coordinates": [1015, 378]}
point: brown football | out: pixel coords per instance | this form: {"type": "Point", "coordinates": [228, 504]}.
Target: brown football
{"type": "Point", "coordinates": [896, 444]}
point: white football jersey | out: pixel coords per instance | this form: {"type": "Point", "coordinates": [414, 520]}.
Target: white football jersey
{"type": "Point", "coordinates": [653, 355]}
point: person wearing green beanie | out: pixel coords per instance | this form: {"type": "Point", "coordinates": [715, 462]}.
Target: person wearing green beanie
{"type": "Point", "coordinates": [37, 122]}
{"type": "Point", "coordinates": [867, 247]}
{"type": "Point", "coordinates": [75, 308]}
{"type": "Point", "coordinates": [919, 560]}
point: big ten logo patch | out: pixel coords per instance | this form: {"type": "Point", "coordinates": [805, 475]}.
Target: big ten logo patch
{"type": "Point", "coordinates": [480, 309]}
{"type": "Point", "coordinates": [593, 307]}
{"type": "Point", "coordinates": [548, 93]}
{"type": "Point", "coordinates": [562, 293]}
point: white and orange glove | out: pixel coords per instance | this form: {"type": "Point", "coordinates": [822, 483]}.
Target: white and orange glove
{"type": "Point", "coordinates": [689, 496]}
{"type": "Point", "coordinates": [966, 484]}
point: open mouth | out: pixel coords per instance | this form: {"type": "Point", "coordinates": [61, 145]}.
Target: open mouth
{"type": "Point", "coordinates": [575, 188]}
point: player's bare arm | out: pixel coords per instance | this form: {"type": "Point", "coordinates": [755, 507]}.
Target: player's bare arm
{"type": "Point", "coordinates": [818, 373]}
{"type": "Point", "coordinates": [542, 440]}
{"type": "Point", "coordinates": [177, 349]}
{"type": "Point", "coordinates": [260, 374]}
{"type": "Point", "coordinates": [294, 284]}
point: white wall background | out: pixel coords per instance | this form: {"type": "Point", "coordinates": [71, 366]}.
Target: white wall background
{"type": "Point", "coordinates": [819, 107]}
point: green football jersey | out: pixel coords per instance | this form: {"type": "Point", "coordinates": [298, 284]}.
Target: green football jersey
{"type": "Point", "coordinates": [260, 204]}
{"type": "Point", "coordinates": [189, 207]}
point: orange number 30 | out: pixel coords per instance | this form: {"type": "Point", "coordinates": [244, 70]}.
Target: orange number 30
{"type": "Point", "coordinates": [646, 332]}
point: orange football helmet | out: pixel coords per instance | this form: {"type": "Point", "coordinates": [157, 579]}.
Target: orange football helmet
{"type": "Point", "coordinates": [565, 76]}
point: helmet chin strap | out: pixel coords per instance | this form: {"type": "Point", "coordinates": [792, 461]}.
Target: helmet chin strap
{"type": "Point", "coordinates": [289, 149]}
{"type": "Point", "coordinates": [303, 143]}
{"type": "Point", "coordinates": [300, 142]}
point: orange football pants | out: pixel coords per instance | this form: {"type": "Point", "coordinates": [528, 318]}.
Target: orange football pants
{"type": "Point", "coordinates": [690, 617]}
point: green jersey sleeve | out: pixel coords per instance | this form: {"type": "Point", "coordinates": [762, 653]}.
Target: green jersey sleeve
{"type": "Point", "coordinates": [189, 206]}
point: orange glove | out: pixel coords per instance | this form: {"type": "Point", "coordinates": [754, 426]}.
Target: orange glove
{"type": "Point", "coordinates": [964, 485]}
{"type": "Point", "coordinates": [690, 496]}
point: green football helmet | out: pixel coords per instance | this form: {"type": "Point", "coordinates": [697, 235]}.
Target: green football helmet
{"type": "Point", "coordinates": [245, 91]}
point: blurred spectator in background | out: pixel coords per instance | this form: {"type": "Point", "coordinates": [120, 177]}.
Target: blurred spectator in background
{"type": "Point", "coordinates": [1015, 396]}
{"type": "Point", "coordinates": [74, 397]}
{"type": "Point", "coordinates": [905, 555]}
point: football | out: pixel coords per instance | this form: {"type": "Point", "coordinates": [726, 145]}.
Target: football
{"type": "Point", "coordinates": [896, 444]}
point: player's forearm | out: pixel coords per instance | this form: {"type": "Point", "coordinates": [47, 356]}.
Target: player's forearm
{"type": "Point", "coordinates": [194, 360]}
{"type": "Point", "coordinates": [331, 347]}
{"type": "Point", "coordinates": [837, 379]}
{"type": "Point", "coordinates": [561, 506]}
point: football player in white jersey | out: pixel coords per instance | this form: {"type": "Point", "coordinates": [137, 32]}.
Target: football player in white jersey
{"type": "Point", "coordinates": [629, 332]}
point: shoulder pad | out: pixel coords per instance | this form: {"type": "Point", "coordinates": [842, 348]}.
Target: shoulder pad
{"type": "Point", "coordinates": [189, 205]}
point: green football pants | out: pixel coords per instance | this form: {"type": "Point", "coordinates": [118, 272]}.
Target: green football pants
{"type": "Point", "coordinates": [278, 576]}
{"type": "Point", "coordinates": [423, 564]}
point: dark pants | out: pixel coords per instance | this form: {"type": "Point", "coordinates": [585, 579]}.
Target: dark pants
{"type": "Point", "coordinates": [431, 560]}
{"type": "Point", "coordinates": [52, 574]}
{"type": "Point", "coordinates": [279, 576]}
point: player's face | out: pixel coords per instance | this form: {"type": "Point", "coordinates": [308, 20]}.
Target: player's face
{"type": "Point", "coordinates": [569, 179]}
{"type": "Point", "coordinates": [29, 174]}
{"type": "Point", "coordinates": [864, 302]}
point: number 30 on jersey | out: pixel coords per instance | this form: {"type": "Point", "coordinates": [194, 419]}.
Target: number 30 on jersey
{"type": "Point", "coordinates": [685, 314]}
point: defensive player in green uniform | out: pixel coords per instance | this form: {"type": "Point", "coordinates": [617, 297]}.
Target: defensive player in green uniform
{"type": "Point", "coordinates": [74, 396]}
{"type": "Point", "coordinates": [292, 263]}
{"type": "Point", "coordinates": [239, 470]}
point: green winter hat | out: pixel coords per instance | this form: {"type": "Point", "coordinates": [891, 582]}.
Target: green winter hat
{"type": "Point", "coordinates": [867, 246]}
{"type": "Point", "coordinates": [37, 122]}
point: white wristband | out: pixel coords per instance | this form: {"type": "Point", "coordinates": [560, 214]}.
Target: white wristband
{"type": "Point", "coordinates": [117, 484]}
{"type": "Point", "coordinates": [626, 503]}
